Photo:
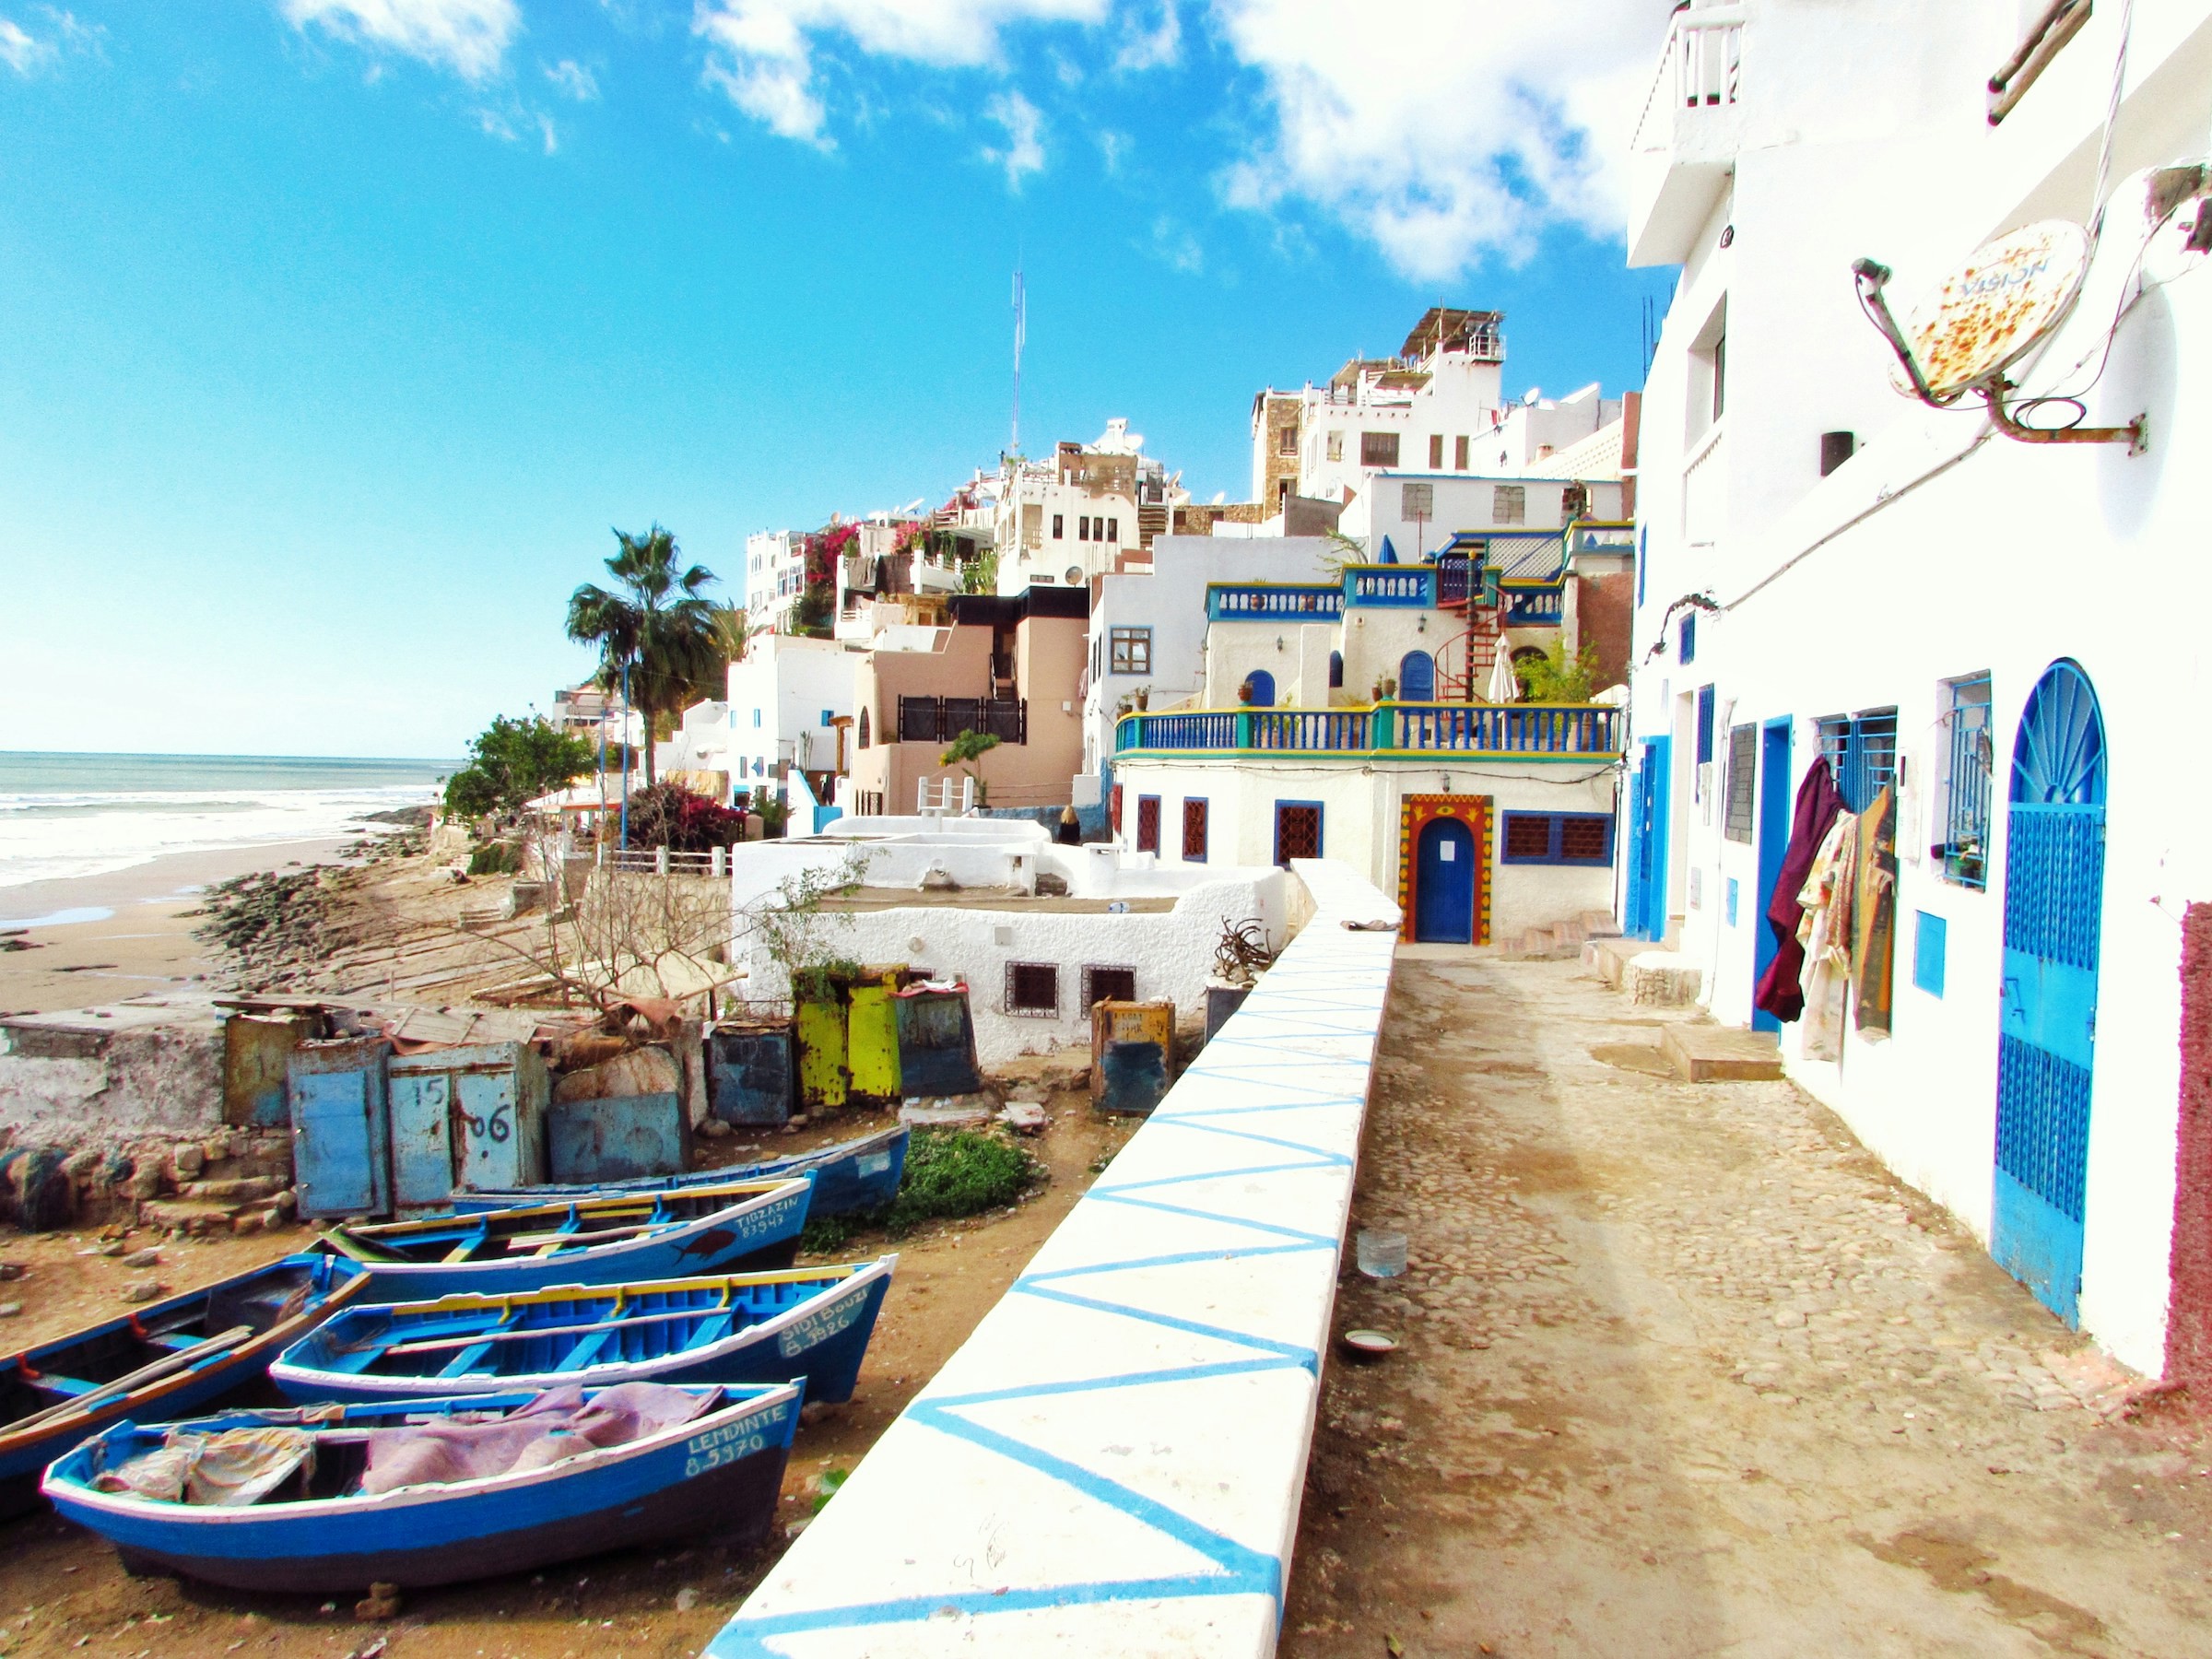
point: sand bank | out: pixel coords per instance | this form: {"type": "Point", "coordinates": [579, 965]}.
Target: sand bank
{"type": "Point", "coordinates": [144, 943]}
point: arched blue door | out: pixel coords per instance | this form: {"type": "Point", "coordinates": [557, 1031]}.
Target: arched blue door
{"type": "Point", "coordinates": [1263, 688]}
{"type": "Point", "coordinates": [1443, 900]}
{"type": "Point", "coordinates": [2047, 1020]}
{"type": "Point", "coordinates": [1416, 677]}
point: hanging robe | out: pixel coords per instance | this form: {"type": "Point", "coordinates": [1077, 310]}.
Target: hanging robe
{"type": "Point", "coordinates": [1780, 992]}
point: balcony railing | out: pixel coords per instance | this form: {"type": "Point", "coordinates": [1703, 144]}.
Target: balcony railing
{"type": "Point", "coordinates": [1410, 587]}
{"type": "Point", "coordinates": [1272, 602]}
{"type": "Point", "coordinates": [1503, 731]}
{"type": "Point", "coordinates": [1535, 607]}
{"type": "Point", "coordinates": [1700, 68]}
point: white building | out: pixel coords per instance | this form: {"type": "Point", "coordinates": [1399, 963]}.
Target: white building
{"type": "Point", "coordinates": [775, 575]}
{"type": "Point", "coordinates": [1833, 570]}
{"type": "Point", "coordinates": [1090, 510]}
{"type": "Point", "coordinates": [1347, 719]}
{"type": "Point", "coordinates": [790, 706]}
{"type": "Point", "coordinates": [1147, 628]}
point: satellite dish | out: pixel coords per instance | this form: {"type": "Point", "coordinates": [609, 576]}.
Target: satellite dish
{"type": "Point", "coordinates": [1074, 575]}
{"type": "Point", "coordinates": [1995, 307]}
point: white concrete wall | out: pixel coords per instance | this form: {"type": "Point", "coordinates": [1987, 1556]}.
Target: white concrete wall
{"type": "Point", "coordinates": [1172, 950]}
{"type": "Point", "coordinates": [777, 696]}
{"type": "Point", "coordinates": [1112, 1465]}
{"type": "Point", "coordinates": [1940, 551]}
{"type": "Point", "coordinates": [1362, 815]}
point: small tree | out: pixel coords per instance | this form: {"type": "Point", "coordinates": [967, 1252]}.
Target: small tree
{"type": "Point", "coordinates": [979, 575]}
{"type": "Point", "coordinates": [966, 752]}
{"type": "Point", "coordinates": [669, 815]}
{"type": "Point", "coordinates": [1558, 675]}
{"type": "Point", "coordinates": [793, 930]}
{"type": "Point", "coordinates": [514, 761]}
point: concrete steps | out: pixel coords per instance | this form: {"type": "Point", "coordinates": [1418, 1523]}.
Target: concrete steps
{"type": "Point", "coordinates": [1563, 939]}
{"type": "Point", "coordinates": [1711, 1054]}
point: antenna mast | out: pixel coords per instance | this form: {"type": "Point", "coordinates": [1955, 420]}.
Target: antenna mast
{"type": "Point", "coordinates": [1020, 329]}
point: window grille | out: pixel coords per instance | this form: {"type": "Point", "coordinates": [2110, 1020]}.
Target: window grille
{"type": "Point", "coordinates": [1965, 849]}
{"type": "Point", "coordinates": [1862, 751]}
{"type": "Point", "coordinates": [1508, 504]}
{"type": "Point", "coordinates": [941, 719]}
{"type": "Point", "coordinates": [1132, 650]}
{"type": "Point", "coordinates": [1113, 810]}
{"type": "Point", "coordinates": [1686, 635]}
{"type": "Point", "coordinates": [1108, 985]}
{"type": "Point", "coordinates": [1378, 449]}
{"type": "Point", "coordinates": [1556, 838]}
{"type": "Point", "coordinates": [1194, 829]}
{"type": "Point", "coordinates": [1286, 441]}
{"type": "Point", "coordinates": [1033, 989]}
{"type": "Point", "coordinates": [1743, 774]}
{"type": "Point", "coordinates": [1297, 830]}
{"type": "Point", "coordinates": [1147, 823]}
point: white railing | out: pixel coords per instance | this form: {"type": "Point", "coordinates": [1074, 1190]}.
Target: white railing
{"type": "Point", "coordinates": [1705, 491]}
{"type": "Point", "coordinates": [660, 861]}
{"type": "Point", "coordinates": [945, 794]}
{"type": "Point", "coordinates": [1699, 67]}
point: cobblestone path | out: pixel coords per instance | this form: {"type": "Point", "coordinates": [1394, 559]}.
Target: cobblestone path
{"type": "Point", "coordinates": [1684, 1370]}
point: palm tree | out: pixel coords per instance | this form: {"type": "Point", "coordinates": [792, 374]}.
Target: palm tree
{"type": "Point", "coordinates": [656, 627]}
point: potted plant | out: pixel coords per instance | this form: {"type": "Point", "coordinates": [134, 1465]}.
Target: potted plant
{"type": "Point", "coordinates": [1386, 688]}
{"type": "Point", "coordinates": [1245, 692]}
{"type": "Point", "coordinates": [1144, 697]}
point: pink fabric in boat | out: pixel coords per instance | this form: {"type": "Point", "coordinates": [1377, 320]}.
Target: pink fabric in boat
{"type": "Point", "coordinates": [556, 1425]}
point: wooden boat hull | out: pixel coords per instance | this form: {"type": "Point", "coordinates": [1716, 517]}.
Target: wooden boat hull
{"type": "Point", "coordinates": [853, 1175]}
{"type": "Point", "coordinates": [39, 1377]}
{"type": "Point", "coordinates": [821, 1336]}
{"type": "Point", "coordinates": [756, 1235]}
{"type": "Point", "coordinates": [718, 1475]}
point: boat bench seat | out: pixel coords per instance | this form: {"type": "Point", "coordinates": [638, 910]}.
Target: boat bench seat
{"type": "Point", "coordinates": [174, 1342]}
{"type": "Point", "coordinates": [585, 1353]}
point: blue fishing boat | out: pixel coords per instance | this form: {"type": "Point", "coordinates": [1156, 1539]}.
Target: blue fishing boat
{"type": "Point", "coordinates": [860, 1175]}
{"type": "Point", "coordinates": [599, 1239]}
{"type": "Point", "coordinates": [161, 1362]}
{"type": "Point", "coordinates": [332, 1499]}
{"type": "Point", "coordinates": [754, 1327]}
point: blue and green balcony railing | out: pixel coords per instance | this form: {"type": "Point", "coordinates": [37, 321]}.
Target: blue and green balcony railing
{"type": "Point", "coordinates": [1529, 602]}
{"type": "Point", "coordinates": [1504, 731]}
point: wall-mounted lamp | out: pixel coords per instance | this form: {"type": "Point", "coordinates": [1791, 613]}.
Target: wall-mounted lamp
{"type": "Point", "coordinates": [1420, 624]}
{"type": "Point", "coordinates": [1445, 779]}
{"type": "Point", "coordinates": [1278, 641]}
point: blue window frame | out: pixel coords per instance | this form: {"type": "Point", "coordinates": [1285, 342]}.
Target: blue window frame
{"type": "Point", "coordinates": [829, 716]}
{"type": "Point", "coordinates": [1686, 639]}
{"type": "Point", "coordinates": [1193, 829]}
{"type": "Point", "coordinates": [1862, 752]}
{"type": "Point", "coordinates": [1965, 846]}
{"type": "Point", "coordinates": [1336, 670]}
{"type": "Point", "coordinates": [1705, 701]}
{"type": "Point", "coordinates": [756, 720]}
{"type": "Point", "coordinates": [1297, 830]}
{"type": "Point", "coordinates": [1928, 939]}
{"type": "Point", "coordinates": [1732, 892]}
{"type": "Point", "coordinates": [1556, 838]}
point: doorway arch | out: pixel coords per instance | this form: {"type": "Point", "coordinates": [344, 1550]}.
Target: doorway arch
{"type": "Point", "coordinates": [1263, 688]}
{"type": "Point", "coordinates": [2047, 1011]}
{"type": "Point", "coordinates": [1417, 677]}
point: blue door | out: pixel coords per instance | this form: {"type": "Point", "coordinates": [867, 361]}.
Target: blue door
{"type": "Point", "coordinates": [1443, 893]}
{"type": "Point", "coordinates": [2047, 1020]}
{"type": "Point", "coordinates": [341, 1127]}
{"type": "Point", "coordinates": [1263, 688]}
{"type": "Point", "coordinates": [1647, 889]}
{"type": "Point", "coordinates": [1416, 677]}
{"type": "Point", "coordinates": [1773, 842]}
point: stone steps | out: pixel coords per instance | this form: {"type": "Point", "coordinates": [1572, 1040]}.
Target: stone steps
{"type": "Point", "coordinates": [1711, 1053]}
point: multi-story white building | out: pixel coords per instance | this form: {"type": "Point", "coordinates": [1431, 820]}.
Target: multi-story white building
{"type": "Point", "coordinates": [1986, 639]}
{"type": "Point", "coordinates": [791, 706]}
{"type": "Point", "coordinates": [775, 575]}
{"type": "Point", "coordinates": [1090, 510]}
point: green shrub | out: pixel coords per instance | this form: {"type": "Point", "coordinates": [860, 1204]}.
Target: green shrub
{"type": "Point", "coordinates": [949, 1173]}
{"type": "Point", "coordinates": [495, 858]}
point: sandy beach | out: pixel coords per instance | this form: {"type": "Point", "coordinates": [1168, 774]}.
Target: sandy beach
{"type": "Point", "coordinates": [144, 942]}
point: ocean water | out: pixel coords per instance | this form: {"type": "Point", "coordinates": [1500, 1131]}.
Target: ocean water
{"type": "Point", "coordinates": [66, 815]}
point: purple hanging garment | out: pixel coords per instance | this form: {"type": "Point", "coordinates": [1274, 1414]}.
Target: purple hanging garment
{"type": "Point", "coordinates": [1817, 804]}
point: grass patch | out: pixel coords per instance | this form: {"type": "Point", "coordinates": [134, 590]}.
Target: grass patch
{"type": "Point", "coordinates": [949, 1173]}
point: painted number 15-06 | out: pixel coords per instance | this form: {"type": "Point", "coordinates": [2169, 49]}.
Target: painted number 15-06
{"type": "Point", "coordinates": [496, 1128]}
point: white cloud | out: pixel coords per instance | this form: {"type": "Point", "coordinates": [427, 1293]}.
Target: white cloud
{"type": "Point", "coordinates": [29, 55]}
{"type": "Point", "coordinates": [1440, 130]}
{"type": "Point", "coordinates": [572, 80]}
{"type": "Point", "coordinates": [761, 53]}
{"type": "Point", "coordinates": [545, 126]}
{"type": "Point", "coordinates": [21, 52]}
{"type": "Point", "coordinates": [469, 37]}
{"type": "Point", "coordinates": [1155, 49]}
{"type": "Point", "coordinates": [1024, 152]}
{"type": "Point", "coordinates": [1176, 247]}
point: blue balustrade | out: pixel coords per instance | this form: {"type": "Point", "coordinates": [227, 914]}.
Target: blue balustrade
{"type": "Point", "coordinates": [1499, 729]}
{"type": "Point", "coordinates": [1408, 586]}
{"type": "Point", "coordinates": [1534, 608]}
{"type": "Point", "coordinates": [1272, 602]}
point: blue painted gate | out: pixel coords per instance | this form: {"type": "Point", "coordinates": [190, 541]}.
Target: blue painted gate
{"type": "Point", "coordinates": [1443, 890]}
{"type": "Point", "coordinates": [2047, 1030]}
{"type": "Point", "coordinates": [1775, 816]}
{"type": "Point", "coordinates": [1647, 842]}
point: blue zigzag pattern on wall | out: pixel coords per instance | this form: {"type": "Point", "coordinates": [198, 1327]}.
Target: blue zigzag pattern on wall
{"type": "Point", "coordinates": [1241, 1570]}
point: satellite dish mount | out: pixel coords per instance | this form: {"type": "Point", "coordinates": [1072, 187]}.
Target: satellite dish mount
{"type": "Point", "coordinates": [1997, 308]}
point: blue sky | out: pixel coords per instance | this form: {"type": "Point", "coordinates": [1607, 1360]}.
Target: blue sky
{"type": "Point", "coordinates": [337, 333]}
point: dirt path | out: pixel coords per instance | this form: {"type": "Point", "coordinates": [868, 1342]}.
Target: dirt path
{"type": "Point", "coordinates": [62, 1595]}
{"type": "Point", "coordinates": [1684, 1372]}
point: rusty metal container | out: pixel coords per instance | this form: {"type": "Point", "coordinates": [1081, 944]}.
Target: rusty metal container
{"type": "Point", "coordinates": [618, 1138]}
{"type": "Point", "coordinates": [341, 1126]}
{"type": "Point", "coordinates": [752, 1070]}
{"type": "Point", "coordinates": [467, 1118]}
{"type": "Point", "coordinates": [257, 1048]}
{"type": "Point", "coordinates": [936, 1043]}
{"type": "Point", "coordinates": [1131, 1055]}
